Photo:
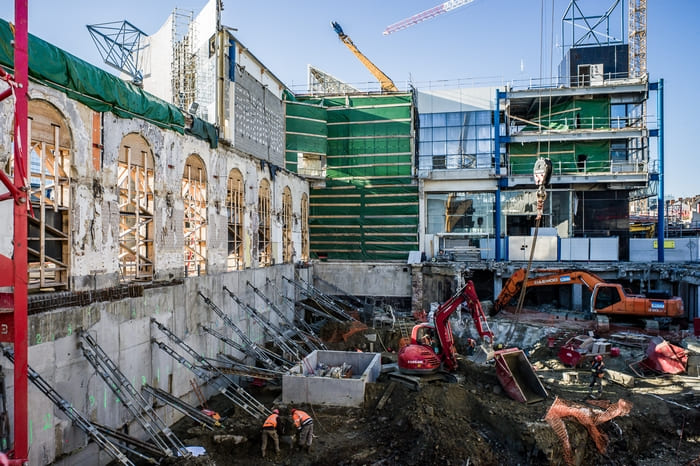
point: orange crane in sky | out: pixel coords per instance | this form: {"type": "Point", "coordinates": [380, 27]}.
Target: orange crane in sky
{"type": "Point", "coordinates": [384, 81]}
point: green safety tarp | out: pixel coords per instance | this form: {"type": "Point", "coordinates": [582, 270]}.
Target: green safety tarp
{"type": "Point", "coordinates": [99, 90]}
{"type": "Point", "coordinates": [368, 206]}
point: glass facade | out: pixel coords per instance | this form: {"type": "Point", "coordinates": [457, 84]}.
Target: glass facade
{"type": "Point", "coordinates": [468, 213]}
{"type": "Point", "coordinates": [456, 140]}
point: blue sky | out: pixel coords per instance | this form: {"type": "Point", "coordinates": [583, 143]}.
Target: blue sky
{"type": "Point", "coordinates": [491, 40]}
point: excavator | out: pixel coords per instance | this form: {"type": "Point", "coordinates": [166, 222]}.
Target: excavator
{"type": "Point", "coordinates": [609, 299]}
{"type": "Point", "coordinates": [432, 343]}
{"type": "Point", "coordinates": [425, 359]}
{"type": "Point", "coordinates": [385, 82]}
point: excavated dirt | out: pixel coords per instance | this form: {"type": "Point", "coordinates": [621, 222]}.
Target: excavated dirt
{"type": "Point", "coordinates": [472, 422]}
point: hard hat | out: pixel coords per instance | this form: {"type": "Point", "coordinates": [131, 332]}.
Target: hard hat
{"type": "Point", "coordinates": [599, 358]}
{"type": "Point", "coordinates": [276, 411]}
{"type": "Point", "coordinates": [292, 410]}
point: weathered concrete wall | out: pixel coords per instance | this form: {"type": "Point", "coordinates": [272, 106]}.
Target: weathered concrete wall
{"type": "Point", "coordinates": [94, 216]}
{"type": "Point", "coordinates": [365, 279]}
{"type": "Point", "coordinates": [123, 329]}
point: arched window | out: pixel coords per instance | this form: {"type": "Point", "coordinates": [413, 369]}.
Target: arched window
{"type": "Point", "coordinates": [304, 227]}
{"type": "Point", "coordinates": [264, 224]}
{"type": "Point", "coordinates": [194, 196]}
{"type": "Point", "coordinates": [235, 203]}
{"type": "Point", "coordinates": [48, 242]}
{"type": "Point", "coordinates": [135, 178]}
{"type": "Point", "coordinates": [287, 220]}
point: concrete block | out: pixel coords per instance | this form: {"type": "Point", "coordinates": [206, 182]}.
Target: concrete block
{"type": "Point", "coordinates": [300, 385]}
{"type": "Point", "coordinates": [602, 323]}
{"type": "Point", "coordinates": [620, 378]}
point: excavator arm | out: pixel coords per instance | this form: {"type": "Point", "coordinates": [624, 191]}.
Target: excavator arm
{"type": "Point", "coordinates": [384, 81]}
{"type": "Point", "coordinates": [466, 296]}
{"type": "Point", "coordinates": [515, 283]}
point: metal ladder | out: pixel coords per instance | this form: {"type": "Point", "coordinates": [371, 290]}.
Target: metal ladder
{"type": "Point", "coordinates": [132, 399]}
{"type": "Point", "coordinates": [241, 334]}
{"type": "Point", "coordinates": [230, 390]}
{"type": "Point", "coordinates": [78, 420]}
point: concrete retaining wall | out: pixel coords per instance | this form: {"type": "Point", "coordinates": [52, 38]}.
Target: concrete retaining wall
{"type": "Point", "coordinates": [124, 331]}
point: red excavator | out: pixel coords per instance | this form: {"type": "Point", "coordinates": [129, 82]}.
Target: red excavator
{"type": "Point", "coordinates": [432, 343]}
{"type": "Point", "coordinates": [606, 298]}
{"type": "Point", "coordinates": [432, 349]}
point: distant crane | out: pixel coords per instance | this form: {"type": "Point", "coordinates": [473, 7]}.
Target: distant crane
{"type": "Point", "coordinates": [385, 82]}
{"type": "Point", "coordinates": [427, 14]}
{"type": "Point", "coordinates": [119, 44]}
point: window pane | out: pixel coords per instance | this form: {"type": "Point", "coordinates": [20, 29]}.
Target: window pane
{"type": "Point", "coordinates": [483, 132]}
{"type": "Point", "coordinates": [453, 119]}
{"type": "Point", "coordinates": [425, 134]}
{"type": "Point", "coordinates": [454, 133]}
{"type": "Point", "coordinates": [439, 148]}
{"type": "Point", "coordinates": [439, 133]}
{"type": "Point", "coordinates": [483, 118]}
{"type": "Point", "coordinates": [426, 120]}
{"type": "Point", "coordinates": [453, 147]}
{"type": "Point", "coordinates": [483, 146]}
{"type": "Point", "coordinates": [425, 148]}
{"type": "Point", "coordinates": [438, 119]}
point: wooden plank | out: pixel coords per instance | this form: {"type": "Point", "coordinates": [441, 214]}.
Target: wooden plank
{"type": "Point", "coordinates": [386, 395]}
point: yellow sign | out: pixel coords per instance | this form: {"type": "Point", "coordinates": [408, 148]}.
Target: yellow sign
{"type": "Point", "coordinates": [668, 244]}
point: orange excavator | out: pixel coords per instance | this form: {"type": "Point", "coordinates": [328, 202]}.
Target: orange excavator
{"type": "Point", "coordinates": [609, 299]}
{"type": "Point", "coordinates": [432, 343]}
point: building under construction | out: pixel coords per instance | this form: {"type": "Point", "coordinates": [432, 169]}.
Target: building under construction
{"type": "Point", "coordinates": [178, 229]}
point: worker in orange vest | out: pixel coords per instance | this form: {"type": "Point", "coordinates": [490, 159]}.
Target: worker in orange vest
{"type": "Point", "coordinates": [305, 426]}
{"type": "Point", "coordinates": [269, 429]}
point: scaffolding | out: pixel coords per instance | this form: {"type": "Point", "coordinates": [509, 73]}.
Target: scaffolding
{"type": "Point", "coordinates": [184, 62]}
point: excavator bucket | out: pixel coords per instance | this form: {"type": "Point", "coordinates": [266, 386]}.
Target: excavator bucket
{"type": "Point", "coordinates": [518, 377]}
{"type": "Point", "coordinates": [483, 353]}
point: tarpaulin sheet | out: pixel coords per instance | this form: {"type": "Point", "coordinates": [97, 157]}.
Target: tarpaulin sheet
{"type": "Point", "coordinates": [96, 88]}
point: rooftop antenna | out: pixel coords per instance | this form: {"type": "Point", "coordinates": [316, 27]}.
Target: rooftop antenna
{"type": "Point", "coordinates": [119, 44]}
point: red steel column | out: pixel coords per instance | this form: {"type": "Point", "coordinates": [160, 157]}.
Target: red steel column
{"type": "Point", "coordinates": [21, 149]}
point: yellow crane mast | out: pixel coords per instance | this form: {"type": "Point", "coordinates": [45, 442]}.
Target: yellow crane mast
{"type": "Point", "coordinates": [385, 82]}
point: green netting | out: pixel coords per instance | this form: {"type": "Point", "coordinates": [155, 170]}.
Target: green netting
{"type": "Point", "coordinates": [373, 171]}
{"type": "Point", "coordinates": [306, 111]}
{"type": "Point", "coordinates": [369, 145]}
{"type": "Point", "coordinates": [567, 157]}
{"type": "Point", "coordinates": [375, 215]}
{"type": "Point", "coordinates": [339, 221]}
{"type": "Point", "coordinates": [85, 83]}
{"type": "Point", "coordinates": [304, 143]}
{"type": "Point", "coordinates": [366, 160]}
{"type": "Point", "coordinates": [297, 125]}
{"type": "Point", "coordinates": [366, 100]}
{"type": "Point", "coordinates": [383, 128]}
{"type": "Point", "coordinates": [344, 115]}
{"type": "Point", "coordinates": [395, 180]}
{"type": "Point", "coordinates": [590, 114]}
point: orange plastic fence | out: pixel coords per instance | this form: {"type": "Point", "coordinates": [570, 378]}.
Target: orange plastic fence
{"type": "Point", "coordinates": [587, 416]}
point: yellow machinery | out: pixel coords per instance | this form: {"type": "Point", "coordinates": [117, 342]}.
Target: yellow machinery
{"type": "Point", "coordinates": [385, 82]}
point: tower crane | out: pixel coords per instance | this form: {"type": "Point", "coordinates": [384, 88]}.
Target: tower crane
{"type": "Point", "coordinates": [385, 82]}
{"type": "Point", "coordinates": [427, 14]}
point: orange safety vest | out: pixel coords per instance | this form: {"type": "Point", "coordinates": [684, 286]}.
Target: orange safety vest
{"type": "Point", "coordinates": [301, 418]}
{"type": "Point", "coordinates": [271, 422]}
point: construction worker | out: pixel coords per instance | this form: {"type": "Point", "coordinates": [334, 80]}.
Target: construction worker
{"type": "Point", "coordinates": [597, 373]}
{"type": "Point", "coordinates": [269, 429]}
{"type": "Point", "coordinates": [305, 427]}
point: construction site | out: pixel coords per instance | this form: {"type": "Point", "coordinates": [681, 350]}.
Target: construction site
{"type": "Point", "coordinates": [435, 275]}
